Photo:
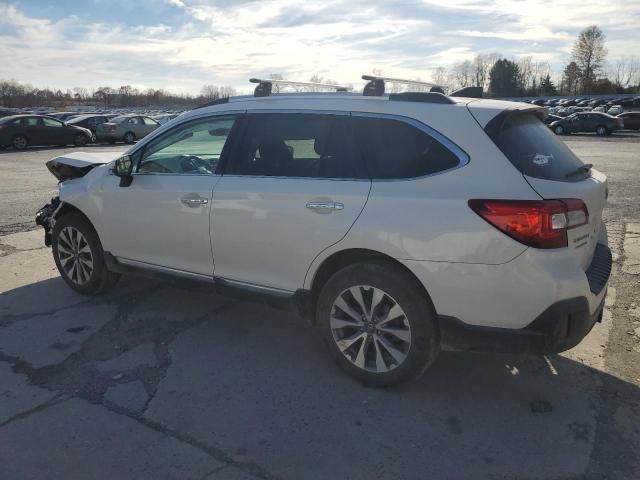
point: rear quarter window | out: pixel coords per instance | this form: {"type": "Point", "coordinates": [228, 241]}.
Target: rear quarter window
{"type": "Point", "coordinates": [393, 149]}
{"type": "Point", "coordinates": [533, 148]}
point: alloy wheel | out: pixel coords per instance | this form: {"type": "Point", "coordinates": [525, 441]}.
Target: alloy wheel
{"type": "Point", "coordinates": [370, 328]}
{"type": "Point", "coordinates": [75, 255]}
{"type": "Point", "coordinates": [19, 143]}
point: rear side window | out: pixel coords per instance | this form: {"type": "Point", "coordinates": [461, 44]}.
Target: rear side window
{"type": "Point", "coordinates": [297, 145]}
{"type": "Point", "coordinates": [533, 149]}
{"type": "Point", "coordinates": [393, 149]}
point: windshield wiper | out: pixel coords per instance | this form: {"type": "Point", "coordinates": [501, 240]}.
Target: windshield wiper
{"type": "Point", "coordinates": [586, 168]}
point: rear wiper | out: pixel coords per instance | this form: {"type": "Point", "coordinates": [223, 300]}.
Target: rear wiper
{"type": "Point", "coordinates": [586, 168]}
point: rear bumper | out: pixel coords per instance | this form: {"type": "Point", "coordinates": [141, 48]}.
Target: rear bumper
{"type": "Point", "coordinates": [560, 327]}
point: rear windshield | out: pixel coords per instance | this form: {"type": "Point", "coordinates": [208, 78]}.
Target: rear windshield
{"type": "Point", "coordinates": [533, 149]}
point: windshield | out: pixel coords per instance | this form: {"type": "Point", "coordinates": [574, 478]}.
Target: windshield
{"type": "Point", "coordinates": [533, 149]}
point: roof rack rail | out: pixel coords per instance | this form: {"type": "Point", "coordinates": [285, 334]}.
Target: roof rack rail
{"type": "Point", "coordinates": [266, 85]}
{"type": "Point", "coordinates": [376, 85]}
{"type": "Point", "coordinates": [469, 92]}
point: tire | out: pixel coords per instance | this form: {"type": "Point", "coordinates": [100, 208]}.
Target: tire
{"type": "Point", "coordinates": [601, 130]}
{"type": "Point", "coordinates": [79, 257]}
{"type": "Point", "coordinates": [559, 130]}
{"type": "Point", "coordinates": [19, 142]}
{"type": "Point", "coordinates": [80, 140]}
{"type": "Point", "coordinates": [129, 137]}
{"type": "Point", "coordinates": [94, 138]}
{"type": "Point", "coordinates": [363, 352]}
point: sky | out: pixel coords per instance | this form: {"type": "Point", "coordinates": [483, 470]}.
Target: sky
{"type": "Point", "coordinates": [180, 45]}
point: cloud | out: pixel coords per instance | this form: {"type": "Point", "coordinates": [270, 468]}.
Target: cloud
{"type": "Point", "coordinates": [183, 44]}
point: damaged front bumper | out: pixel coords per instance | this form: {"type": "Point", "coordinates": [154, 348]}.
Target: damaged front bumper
{"type": "Point", "coordinates": [46, 218]}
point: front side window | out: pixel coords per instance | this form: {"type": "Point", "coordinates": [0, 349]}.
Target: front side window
{"type": "Point", "coordinates": [297, 145]}
{"type": "Point", "coordinates": [393, 149]}
{"type": "Point", "coordinates": [192, 148]}
{"type": "Point", "coordinates": [149, 121]}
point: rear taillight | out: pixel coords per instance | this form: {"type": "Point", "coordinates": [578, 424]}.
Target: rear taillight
{"type": "Point", "coordinates": [536, 223]}
{"type": "Point", "coordinates": [113, 127]}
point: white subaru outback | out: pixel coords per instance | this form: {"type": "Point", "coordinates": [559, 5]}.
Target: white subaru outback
{"type": "Point", "coordinates": [403, 224]}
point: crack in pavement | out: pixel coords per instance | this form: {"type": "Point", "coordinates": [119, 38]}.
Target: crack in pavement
{"type": "Point", "coordinates": [62, 397]}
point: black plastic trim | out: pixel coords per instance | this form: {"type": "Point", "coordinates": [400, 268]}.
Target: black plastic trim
{"type": "Point", "coordinates": [219, 101]}
{"type": "Point", "coordinates": [421, 97]}
{"type": "Point", "coordinates": [600, 269]}
{"type": "Point", "coordinates": [560, 327]}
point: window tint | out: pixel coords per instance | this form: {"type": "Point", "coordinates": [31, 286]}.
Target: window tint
{"type": "Point", "coordinates": [297, 145]}
{"type": "Point", "coordinates": [532, 148]}
{"type": "Point", "coordinates": [193, 148]}
{"type": "Point", "coordinates": [49, 122]}
{"type": "Point", "coordinates": [396, 149]}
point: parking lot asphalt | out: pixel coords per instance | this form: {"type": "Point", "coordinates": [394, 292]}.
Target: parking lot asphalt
{"type": "Point", "coordinates": [163, 378]}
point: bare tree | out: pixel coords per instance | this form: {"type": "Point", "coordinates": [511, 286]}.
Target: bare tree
{"type": "Point", "coordinates": [626, 72]}
{"type": "Point", "coordinates": [210, 92]}
{"type": "Point", "coordinates": [481, 66]}
{"type": "Point", "coordinates": [462, 74]}
{"type": "Point", "coordinates": [589, 53]}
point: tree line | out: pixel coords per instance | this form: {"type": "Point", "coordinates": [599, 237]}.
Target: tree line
{"type": "Point", "coordinates": [16, 95]}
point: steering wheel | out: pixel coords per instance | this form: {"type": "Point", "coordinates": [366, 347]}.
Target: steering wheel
{"type": "Point", "coordinates": [193, 163]}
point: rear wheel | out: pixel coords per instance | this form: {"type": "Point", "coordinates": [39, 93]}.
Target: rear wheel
{"type": "Point", "coordinates": [19, 142]}
{"type": "Point", "coordinates": [601, 130]}
{"type": "Point", "coordinates": [559, 130]}
{"type": "Point", "coordinates": [378, 324]}
{"type": "Point", "coordinates": [129, 137]}
{"type": "Point", "coordinates": [79, 257]}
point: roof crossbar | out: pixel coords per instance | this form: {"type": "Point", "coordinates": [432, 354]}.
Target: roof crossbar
{"type": "Point", "coordinates": [265, 86]}
{"type": "Point", "coordinates": [376, 85]}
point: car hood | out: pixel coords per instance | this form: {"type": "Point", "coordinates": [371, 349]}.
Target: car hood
{"type": "Point", "coordinates": [78, 164]}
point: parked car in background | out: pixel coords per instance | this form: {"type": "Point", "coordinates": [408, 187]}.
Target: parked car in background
{"type": "Point", "coordinates": [21, 131]}
{"type": "Point", "coordinates": [563, 112]}
{"type": "Point", "coordinates": [126, 128]}
{"type": "Point", "coordinates": [549, 119]}
{"type": "Point", "coordinates": [630, 120]}
{"type": "Point", "coordinates": [615, 110]}
{"type": "Point", "coordinates": [164, 118]}
{"type": "Point", "coordinates": [598, 122]}
{"type": "Point", "coordinates": [599, 108]}
{"type": "Point", "coordinates": [63, 115]}
{"type": "Point", "coordinates": [90, 122]}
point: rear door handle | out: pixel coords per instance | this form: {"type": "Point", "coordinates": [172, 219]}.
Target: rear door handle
{"type": "Point", "coordinates": [325, 206]}
{"type": "Point", "coordinates": [194, 200]}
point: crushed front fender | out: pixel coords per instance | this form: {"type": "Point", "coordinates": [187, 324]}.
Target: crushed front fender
{"type": "Point", "coordinates": [46, 218]}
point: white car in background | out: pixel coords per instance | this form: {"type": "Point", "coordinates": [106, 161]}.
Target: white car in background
{"type": "Point", "coordinates": [402, 224]}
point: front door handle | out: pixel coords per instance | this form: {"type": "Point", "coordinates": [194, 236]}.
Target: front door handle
{"type": "Point", "coordinates": [194, 201]}
{"type": "Point", "coordinates": [325, 206]}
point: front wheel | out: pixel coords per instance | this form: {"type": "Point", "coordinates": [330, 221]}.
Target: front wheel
{"type": "Point", "coordinates": [79, 257]}
{"type": "Point", "coordinates": [129, 137]}
{"type": "Point", "coordinates": [80, 140]}
{"type": "Point", "coordinates": [559, 130]}
{"type": "Point", "coordinates": [378, 323]}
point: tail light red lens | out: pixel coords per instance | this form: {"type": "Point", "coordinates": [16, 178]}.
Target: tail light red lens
{"type": "Point", "coordinates": [536, 223]}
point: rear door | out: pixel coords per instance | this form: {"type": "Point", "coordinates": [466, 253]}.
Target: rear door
{"type": "Point", "coordinates": [294, 186]}
{"type": "Point", "coordinates": [554, 172]}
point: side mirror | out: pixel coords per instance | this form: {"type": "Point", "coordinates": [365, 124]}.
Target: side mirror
{"type": "Point", "coordinates": [123, 169]}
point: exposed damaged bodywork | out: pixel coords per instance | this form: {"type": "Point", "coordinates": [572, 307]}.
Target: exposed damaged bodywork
{"type": "Point", "coordinates": [46, 218]}
{"type": "Point", "coordinates": [76, 165]}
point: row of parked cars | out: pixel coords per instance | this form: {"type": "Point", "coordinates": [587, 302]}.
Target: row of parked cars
{"type": "Point", "coordinates": [593, 121]}
{"type": "Point", "coordinates": [65, 128]}
{"type": "Point", "coordinates": [623, 102]}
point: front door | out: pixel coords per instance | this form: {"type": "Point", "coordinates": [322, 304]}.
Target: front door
{"type": "Point", "coordinates": [162, 218]}
{"type": "Point", "coordinates": [292, 188]}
